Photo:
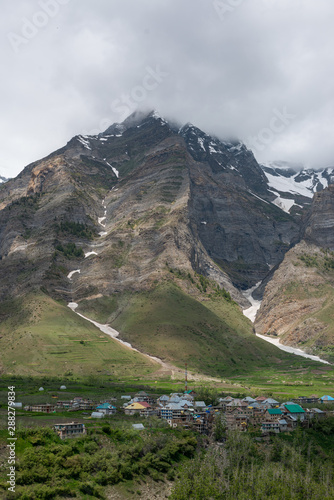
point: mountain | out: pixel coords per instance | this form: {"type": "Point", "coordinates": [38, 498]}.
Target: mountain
{"type": "Point", "coordinates": [294, 185]}
{"type": "Point", "coordinates": [3, 179]}
{"type": "Point", "coordinates": [298, 301]}
{"type": "Point", "coordinates": [153, 227]}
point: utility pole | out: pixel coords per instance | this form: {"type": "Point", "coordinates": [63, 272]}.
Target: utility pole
{"type": "Point", "coordinates": [186, 378]}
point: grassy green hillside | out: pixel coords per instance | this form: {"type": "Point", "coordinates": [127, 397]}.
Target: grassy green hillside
{"type": "Point", "coordinates": [211, 335]}
{"type": "Point", "coordinates": [39, 336]}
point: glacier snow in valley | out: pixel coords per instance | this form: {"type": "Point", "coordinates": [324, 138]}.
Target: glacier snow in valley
{"type": "Point", "coordinates": [250, 313]}
{"type": "Point", "coordinates": [291, 350]}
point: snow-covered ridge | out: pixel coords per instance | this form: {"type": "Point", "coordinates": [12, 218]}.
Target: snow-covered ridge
{"type": "Point", "coordinates": [304, 182]}
{"type": "Point", "coordinates": [287, 183]}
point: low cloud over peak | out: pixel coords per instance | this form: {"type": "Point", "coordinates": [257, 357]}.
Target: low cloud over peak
{"type": "Point", "coordinates": [261, 71]}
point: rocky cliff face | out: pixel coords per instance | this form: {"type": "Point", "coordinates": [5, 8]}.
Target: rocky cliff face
{"type": "Point", "coordinates": [231, 209]}
{"type": "Point", "coordinates": [134, 198]}
{"type": "Point", "coordinates": [319, 227]}
{"type": "Point", "coordinates": [298, 301]}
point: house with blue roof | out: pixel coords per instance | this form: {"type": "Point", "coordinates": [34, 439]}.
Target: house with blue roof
{"type": "Point", "coordinates": [327, 399]}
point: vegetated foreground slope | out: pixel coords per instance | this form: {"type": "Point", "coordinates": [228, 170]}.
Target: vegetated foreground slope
{"type": "Point", "coordinates": [40, 336]}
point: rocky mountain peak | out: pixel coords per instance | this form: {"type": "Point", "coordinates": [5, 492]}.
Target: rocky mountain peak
{"type": "Point", "coordinates": [138, 119]}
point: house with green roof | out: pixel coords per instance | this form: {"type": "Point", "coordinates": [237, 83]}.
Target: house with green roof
{"type": "Point", "coordinates": [272, 414]}
{"type": "Point", "coordinates": [295, 411]}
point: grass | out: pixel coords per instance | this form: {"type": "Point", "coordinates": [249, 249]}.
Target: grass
{"type": "Point", "coordinates": [211, 335]}
{"type": "Point", "coordinates": [41, 336]}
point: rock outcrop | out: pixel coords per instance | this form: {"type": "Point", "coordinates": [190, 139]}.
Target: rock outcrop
{"type": "Point", "coordinates": [298, 301]}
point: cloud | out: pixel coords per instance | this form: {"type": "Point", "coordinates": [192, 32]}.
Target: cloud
{"type": "Point", "coordinates": [87, 63]}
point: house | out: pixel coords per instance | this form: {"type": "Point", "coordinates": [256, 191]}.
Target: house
{"type": "Point", "coordinates": [235, 421]}
{"type": "Point", "coordinates": [267, 427]}
{"type": "Point", "coordinates": [199, 405]}
{"type": "Point", "coordinates": [270, 401]}
{"type": "Point", "coordinates": [235, 402]}
{"type": "Point", "coordinates": [223, 402]}
{"type": "Point", "coordinates": [147, 410]}
{"type": "Point", "coordinates": [327, 399]}
{"type": "Point", "coordinates": [64, 405]}
{"type": "Point", "coordinates": [200, 425]}
{"type": "Point", "coordinates": [69, 430]}
{"type": "Point", "coordinates": [43, 408]}
{"type": "Point", "coordinates": [143, 397]}
{"type": "Point", "coordinates": [257, 416]}
{"type": "Point", "coordinates": [79, 403]}
{"type": "Point", "coordinates": [283, 425]}
{"type": "Point", "coordinates": [306, 400]}
{"type": "Point", "coordinates": [190, 393]}
{"type": "Point", "coordinates": [248, 400]}
{"type": "Point", "coordinates": [272, 414]}
{"type": "Point", "coordinates": [163, 400]}
{"type": "Point", "coordinates": [318, 413]}
{"type": "Point", "coordinates": [314, 413]}
{"type": "Point", "coordinates": [175, 410]}
{"type": "Point", "coordinates": [97, 414]}
{"type": "Point", "coordinates": [126, 397]}
{"type": "Point", "coordinates": [175, 397]}
{"type": "Point", "coordinates": [142, 408]}
{"type": "Point", "coordinates": [106, 409]}
{"type": "Point", "coordinates": [294, 410]}
{"type": "Point", "coordinates": [292, 422]}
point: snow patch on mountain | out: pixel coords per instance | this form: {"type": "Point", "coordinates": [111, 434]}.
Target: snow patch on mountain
{"type": "Point", "coordinates": [88, 254]}
{"type": "Point", "coordinates": [116, 172]}
{"type": "Point", "coordinates": [73, 272]}
{"type": "Point", "coordinates": [284, 203]}
{"type": "Point", "coordinates": [289, 185]}
{"type": "Point", "coordinates": [84, 141]}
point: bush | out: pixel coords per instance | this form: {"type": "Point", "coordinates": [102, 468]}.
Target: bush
{"type": "Point", "coordinates": [70, 250]}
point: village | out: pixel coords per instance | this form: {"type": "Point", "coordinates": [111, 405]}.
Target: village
{"type": "Point", "coordinates": [263, 414]}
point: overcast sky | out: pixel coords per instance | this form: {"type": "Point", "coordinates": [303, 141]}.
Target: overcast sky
{"type": "Point", "coordinates": [261, 70]}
